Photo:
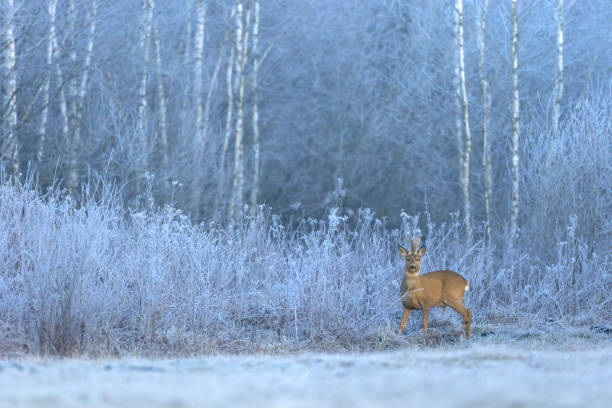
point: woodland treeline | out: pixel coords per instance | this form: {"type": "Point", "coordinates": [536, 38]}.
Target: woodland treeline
{"type": "Point", "coordinates": [497, 110]}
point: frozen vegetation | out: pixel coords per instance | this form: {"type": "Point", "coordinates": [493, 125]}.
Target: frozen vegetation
{"type": "Point", "coordinates": [479, 374]}
{"type": "Point", "coordinates": [96, 277]}
{"type": "Point", "coordinates": [201, 202]}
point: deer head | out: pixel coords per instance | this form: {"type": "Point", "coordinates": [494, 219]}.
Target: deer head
{"type": "Point", "coordinates": [412, 257]}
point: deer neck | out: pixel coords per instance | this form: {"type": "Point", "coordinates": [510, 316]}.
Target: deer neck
{"type": "Point", "coordinates": [412, 279]}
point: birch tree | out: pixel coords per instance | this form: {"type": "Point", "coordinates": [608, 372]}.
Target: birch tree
{"type": "Point", "coordinates": [486, 162]}
{"type": "Point", "coordinates": [465, 145]}
{"type": "Point", "coordinates": [42, 130]}
{"type": "Point", "coordinates": [198, 82]}
{"type": "Point", "coordinates": [162, 128]}
{"type": "Point", "coordinates": [10, 149]}
{"type": "Point", "coordinates": [187, 61]}
{"type": "Point", "coordinates": [229, 83]}
{"type": "Point", "coordinates": [78, 91]}
{"type": "Point", "coordinates": [59, 79]}
{"type": "Point", "coordinates": [515, 123]}
{"type": "Point", "coordinates": [559, 72]}
{"type": "Point", "coordinates": [198, 89]}
{"type": "Point", "coordinates": [255, 113]}
{"type": "Point", "coordinates": [242, 41]}
{"type": "Point", "coordinates": [145, 39]}
{"type": "Point", "coordinates": [82, 91]}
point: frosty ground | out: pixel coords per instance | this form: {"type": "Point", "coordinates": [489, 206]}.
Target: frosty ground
{"type": "Point", "coordinates": [479, 373]}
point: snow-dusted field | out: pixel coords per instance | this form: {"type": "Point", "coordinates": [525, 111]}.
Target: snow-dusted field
{"type": "Point", "coordinates": [463, 376]}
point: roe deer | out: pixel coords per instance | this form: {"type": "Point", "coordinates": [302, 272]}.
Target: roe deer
{"type": "Point", "coordinates": [438, 288]}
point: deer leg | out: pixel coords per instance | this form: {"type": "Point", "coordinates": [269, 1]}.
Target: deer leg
{"type": "Point", "coordinates": [465, 314]}
{"type": "Point", "coordinates": [405, 317]}
{"type": "Point", "coordinates": [425, 319]}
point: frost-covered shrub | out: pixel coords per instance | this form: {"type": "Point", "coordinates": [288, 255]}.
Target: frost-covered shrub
{"type": "Point", "coordinates": [97, 279]}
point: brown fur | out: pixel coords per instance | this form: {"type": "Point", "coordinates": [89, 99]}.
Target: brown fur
{"type": "Point", "coordinates": [433, 289]}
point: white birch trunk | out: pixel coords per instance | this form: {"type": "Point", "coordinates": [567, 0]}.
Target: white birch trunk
{"type": "Point", "coordinates": [255, 113]}
{"type": "Point", "coordinates": [559, 73]}
{"type": "Point", "coordinates": [145, 37]}
{"type": "Point", "coordinates": [465, 148]}
{"type": "Point", "coordinates": [242, 36]}
{"type": "Point", "coordinates": [78, 93]}
{"type": "Point", "coordinates": [198, 82]}
{"type": "Point", "coordinates": [93, 13]}
{"type": "Point", "coordinates": [457, 89]}
{"type": "Point", "coordinates": [73, 145]}
{"type": "Point", "coordinates": [187, 61]}
{"type": "Point", "coordinates": [486, 162]}
{"type": "Point", "coordinates": [228, 122]}
{"type": "Point", "coordinates": [198, 89]}
{"type": "Point", "coordinates": [72, 85]}
{"type": "Point", "coordinates": [63, 105]}
{"type": "Point", "coordinates": [11, 147]}
{"type": "Point", "coordinates": [515, 124]}
{"type": "Point", "coordinates": [42, 130]}
{"type": "Point", "coordinates": [161, 101]}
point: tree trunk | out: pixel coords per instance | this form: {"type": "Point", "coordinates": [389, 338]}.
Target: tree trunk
{"type": "Point", "coordinates": [515, 124]}
{"type": "Point", "coordinates": [73, 144]}
{"type": "Point", "coordinates": [242, 37]}
{"type": "Point", "coordinates": [63, 105]}
{"type": "Point", "coordinates": [162, 127]}
{"type": "Point", "coordinates": [559, 74]}
{"type": "Point", "coordinates": [145, 37]}
{"type": "Point", "coordinates": [486, 162]}
{"type": "Point", "coordinates": [465, 148]}
{"type": "Point", "coordinates": [187, 61]}
{"type": "Point", "coordinates": [255, 114]}
{"type": "Point", "coordinates": [42, 130]}
{"type": "Point", "coordinates": [11, 148]}
{"type": "Point", "coordinates": [228, 124]}
{"type": "Point", "coordinates": [78, 100]}
{"type": "Point", "coordinates": [198, 83]}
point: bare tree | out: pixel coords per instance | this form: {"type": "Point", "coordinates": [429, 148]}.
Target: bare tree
{"type": "Point", "coordinates": [255, 114]}
{"type": "Point", "coordinates": [465, 145]}
{"type": "Point", "coordinates": [42, 130]}
{"type": "Point", "coordinates": [486, 162]}
{"type": "Point", "coordinates": [229, 81]}
{"type": "Point", "coordinates": [516, 116]}
{"type": "Point", "coordinates": [147, 7]}
{"type": "Point", "coordinates": [82, 93]}
{"type": "Point", "coordinates": [559, 73]}
{"type": "Point", "coordinates": [162, 128]}
{"type": "Point", "coordinates": [78, 91]}
{"type": "Point", "coordinates": [63, 105]}
{"type": "Point", "coordinates": [10, 149]}
{"type": "Point", "coordinates": [198, 82]}
{"type": "Point", "coordinates": [187, 62]}
{"type": "Point", "coordinates": [242, 41]}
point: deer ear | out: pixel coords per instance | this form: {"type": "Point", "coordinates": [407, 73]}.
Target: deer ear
{"type": "Point", "coordinates": [403, 251]}
{"type": "Point", "coordinates": [422, 251]}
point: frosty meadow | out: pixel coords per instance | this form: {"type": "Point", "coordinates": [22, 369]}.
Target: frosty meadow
{"type": "Point", "coordinates": [98, 280]}
{"type": "Point", "coordinates": [196, 177]}
{"type": "Point", "coordinates": [202, 201]}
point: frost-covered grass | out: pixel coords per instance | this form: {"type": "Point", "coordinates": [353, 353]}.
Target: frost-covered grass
{"type": "Point", "coordinates": [480, 373]}
{"type": "Point", "coordinates": [98, 280]}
